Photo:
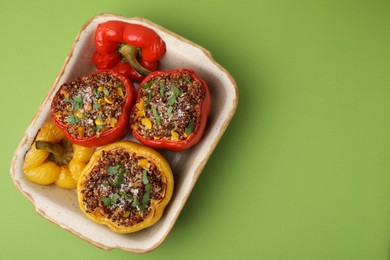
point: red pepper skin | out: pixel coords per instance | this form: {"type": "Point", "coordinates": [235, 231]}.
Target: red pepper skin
{"type": "Point", "coordinates": [122, 126]}
{"type": "Point", "coordinates": [128, 71]}
{"type": "Point", "coordinates": [106, 60]}
{"type": "Point", "coordinates": [109, 35]}
{"type": "Point", "coordinates": [200, 124]}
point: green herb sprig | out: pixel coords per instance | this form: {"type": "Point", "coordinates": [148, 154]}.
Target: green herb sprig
{"type": "Point", "coordinates": [119, 174]}
{"type": "Point", "coordinates": [162, 89]}
{"type": "Point", "coordinates": [169, 110]}
{"type": "Point", "coordinates": [156, 115]}
{"type": "Point", "coordinates": [147, 84]}
{"type": "Point", "coordinates": [109, 201]}
{"type": "Point", "coordinates": [146, 196]}
{"type": "Point", "coordinates": [72, 119]}
{"type": "Point", "coordinates": [175, 94]}
{"type": "Point", "coordinates": [190, 127]}
{"type": "Point", "coordinates": [106, 91]}
{"type": "Point", "coordinates": [76, 102]}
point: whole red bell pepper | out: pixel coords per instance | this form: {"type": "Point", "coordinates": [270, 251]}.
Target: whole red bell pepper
{"type": "Point", "coordinates": [171, 110]}
{"type": "Point", "coordinates": [131, 49]}
{"type": "Point", "coordinates": [93, 110]}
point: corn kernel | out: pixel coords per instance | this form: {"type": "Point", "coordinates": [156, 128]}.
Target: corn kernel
{"type": "Point", "coordinates": [63, 92]}
{"type": "Point", "coordinates": [174, 135]}
{"type": "Point", "coordinates": [143, 163]}
{"type": "Point", "coordinates": [80, 130]}
{"type": "Point", "coordinates": [107, 100]}
{"type": "Point", "coordinates": [140, 107]}
{"type": "Point", "coordinates": [98, 122]}
{"type": "Point", "coordinates": [126, 214]}
{"type": "Point", "coordinates": [140, 104]}
{"type": "Point", "coordinates": [113, 121]}
{"type": "Point", "coordinates": [119, 92]}
{"type": "Point", "coordinates": [146, 122]}
{"type": "Point", "coordinates": [79, 113]}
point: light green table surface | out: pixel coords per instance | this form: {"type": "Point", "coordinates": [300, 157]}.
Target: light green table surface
{"type": "Point", "coordinates": [303, 170]}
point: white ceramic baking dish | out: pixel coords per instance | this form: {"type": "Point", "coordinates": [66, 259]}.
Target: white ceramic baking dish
{"type": "Point", "coordinates": [60, 205]}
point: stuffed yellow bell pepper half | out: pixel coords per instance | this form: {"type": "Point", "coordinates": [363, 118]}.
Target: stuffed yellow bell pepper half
{"type": "Point", "coordinates": [125, 186]}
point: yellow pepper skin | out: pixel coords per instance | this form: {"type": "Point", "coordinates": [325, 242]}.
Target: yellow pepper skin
{"type": "Point", "coordinates": [48, 132]}
{"type": "Point", "coordinates": [75, 168]}
{"type": "Point", "coordinates": [156, 207]}
{"type": "Point", "coordinates": [81, 156]}
{"type": "Point", "coordinates": [43, 174]}
{"type": "Point", "coordinates": [81, 153]}
{"type": "Point", "coordinates": [65, 179]}
{"type": "Point", "coordinates": [38, 169]}
{"type": "Point", "coordinates": [34, 158]}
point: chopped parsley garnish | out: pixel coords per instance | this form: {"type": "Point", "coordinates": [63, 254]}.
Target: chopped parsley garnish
{"type": "Point", "coordinates": [106, 201]}
{"type": "Point", "coordinates": [106, 91]}
{"type": "Point", "coordinates": [97, 93]}
{"type": "Point", "coordinates": [125, 195]}
{"type": "Point", "coordinates": [157, 116]}
{"type": "Point", "coordinates": [172, 100]}
{"type": "Point", "coordinates": [76, 101]}
{"type": "Point", "coordinates": [187, 79]}
{"type": "Point", "coordinates": [175, 94]}
{"type": "Point", "coordinates": [114, 197]}
{"type": "Point", "coordinates": [150, 94]}
{"type": "Point", "coordinates": [190, 127]}
{"type": "Point", "coordinates": [162, 89]}
{"type": "Point", "coordinates": [96, 106]}
{"type": "Point", "coordinates": [119, 179]}
{"type": "Point", "coordinates": [169, 111]}
{"type": "Point", "coordinates": [72, 119]}
{"type": "Point", "coordinates": [109, 201]}
{"type": "Point", "coordinates": [145, 177]}
{"type": "Point", "coordinates": [119, 174]}
{"type": "Point", "coordinates": [115, 169]}
{"type": "Point", "coordinates": [148, 84]}
{"type": "Point", "coordinates": [97, 127]}
{"type": "Point", "coordinates": [135, 202]}
{"type": "Point", "coordinates": [176, 91]}
{"type": "Point", "coordinates": [146, 197]}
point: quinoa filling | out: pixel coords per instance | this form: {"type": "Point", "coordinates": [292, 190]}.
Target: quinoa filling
{"type": "Point", "coordinates": [90, 105]}
{"type": "Point", "coordinates": [168, 107]}
{"type": "Point", "coordinates": [122, 186]}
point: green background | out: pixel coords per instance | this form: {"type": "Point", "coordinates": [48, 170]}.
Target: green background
{"type": "Point", "coordinates": [302, 171]}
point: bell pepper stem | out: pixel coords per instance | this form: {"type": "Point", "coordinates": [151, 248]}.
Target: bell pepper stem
{"type": "Point", "coordinates": [130, 53]}
{"type": "Point", "coordinates": [53, 148]}
{"type": "Point", "coordinates": [60, 153]}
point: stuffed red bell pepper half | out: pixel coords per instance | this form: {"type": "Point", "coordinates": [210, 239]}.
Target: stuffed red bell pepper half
{"type": "Point", "coordinates": [93, 110]}
{"type": "Point", "coordinates": [171, 110]}
{"type": "Point", "coordinates": [131, 49]}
